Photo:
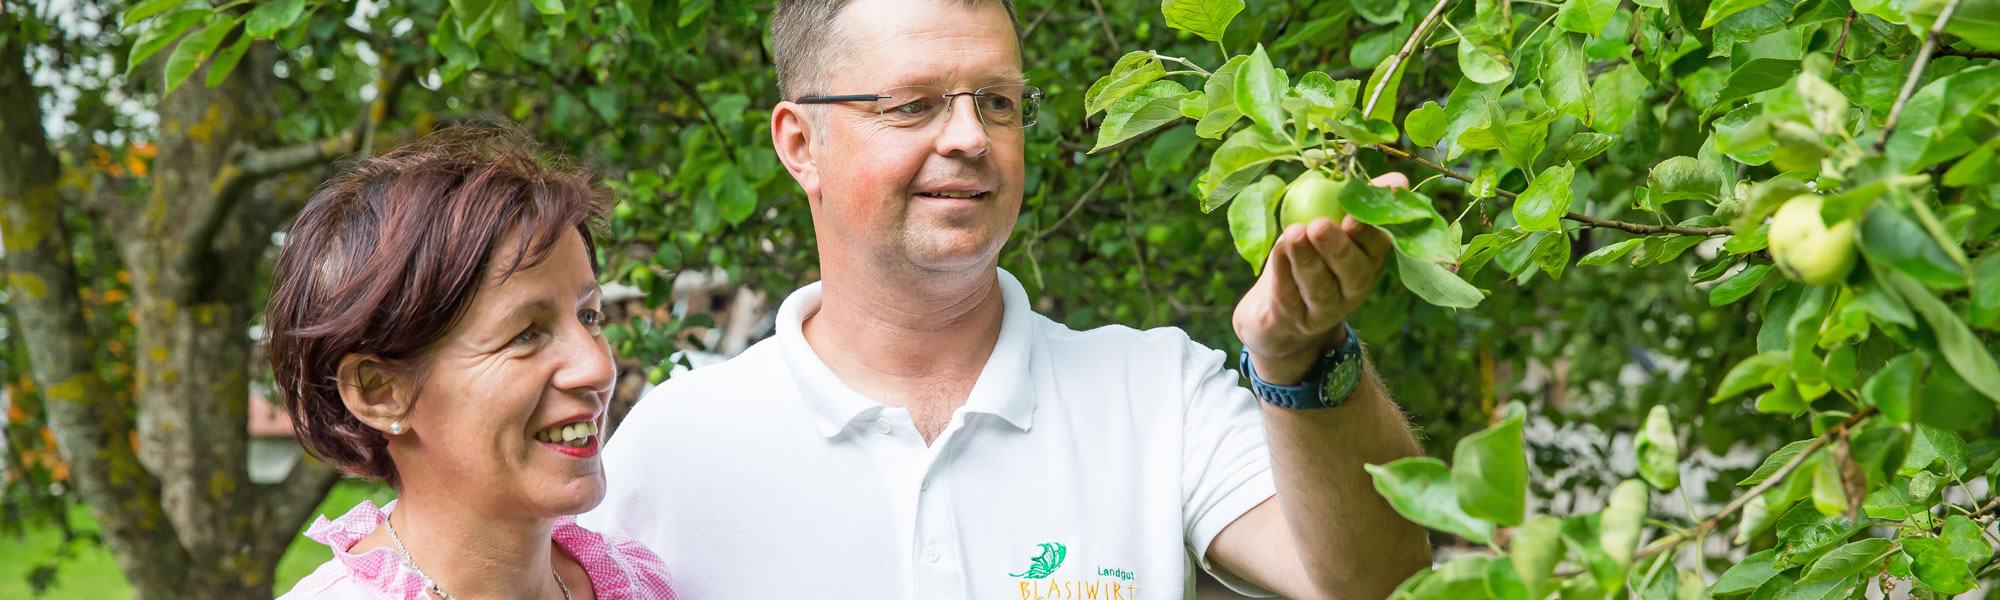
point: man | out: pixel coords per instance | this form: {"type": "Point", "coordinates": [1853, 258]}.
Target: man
{"type": "Point", "coordinates": [915, 430]}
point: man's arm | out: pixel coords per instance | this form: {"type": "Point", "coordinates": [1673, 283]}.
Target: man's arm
{"type": "Point", "coordinates": [1327, 533]}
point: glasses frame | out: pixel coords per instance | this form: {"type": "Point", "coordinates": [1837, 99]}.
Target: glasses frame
{"type": "Point", "coordinates": [950, 99]}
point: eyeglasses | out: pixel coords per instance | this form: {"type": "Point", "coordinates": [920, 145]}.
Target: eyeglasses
{"type": "Point", "coordinates": [915, 106]}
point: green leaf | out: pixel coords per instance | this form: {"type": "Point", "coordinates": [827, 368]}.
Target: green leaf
{"type": "Point", "coordinates": [1583, 146]}
{"type": "Point", "coordinates": [1935, 450]}
{"type": "Point", "coordinates": [147, 9]}
{"type": "Point", "coordinates": [1893, 389]}
{"type": "Point", "coordinates": [1434, 284]}
{"type": "Point", "coordinates": [271, 17]}
{"type": "Point", "coordinates": [1945, 563]}
{"type": "Point", "coordinates": [1624, 517]}
{"type": "Point", "coordinates": [1535, 551]}
{"type": "Point", "coordinates": [1132, 72]}
{"type": "Point", "coordinates": [1425, 124]}
{"type": "Point", "coordinates": [1205, 18]}
{"type": "Point", "coordinates": [195, 49]}
{"type": "Point", "coordinates": [1847, 561]}
{"type": "Point", "coordinates": [1938, 122]}
{"type": "Point", "coordinates": [1382, 206]}
{"type": "Point", "coordinates": [162, 33]}
{"type": "Point", "coordinates": [1682, 178]}
{"type": "Point", "coordinates": [1384, 108]}
{"type": "Point", "coordinates": [1774, 462]}
{"type": "Point", "coordinates": [1611, 253]}
{"type": "Point", "coordinates": [1380, 12]}
{"type": "Point", "coordinates": [549, 7]}
{"type": "Point", "coordinates": [1586, 16]}
{"type": "Point", "coordinates": [1763, 369]}
{"type": "Point", "coordinates": [1155, 106]}
{"type": "Point", "coordinates": [1419, 488]}
{"type": "Point", "coordinates": [1975, 22]}
{"type": "Point", "coordinates": [225, 61]}
{"type": "Point", "coordinates": [1503, 583]}
{"type": "Point", "coordinates": [1737, 286]}
{"type": "Point", "coordinates": [1747, 574]}
{"type": "Point", "coordinates": [1482, 59]}
{"type": "Point", "coordinates": [1984, 312]}
{"type": "Point", "coordinates": [1889, 238]}
{"type": "Point", "coordinates": [1962, 350]}
{"type": "Point", "coordinates": [1252, 220]}
{"type": "Point", "coordinates": [1221, 92]}
{"type": "Point", "coordinates": [1567, 82]}
{"type": "Point", "coordinates": [1659, 451]}
{"type": "Point", "coordinates": [1756, 76]}
{"type": "Point", "coordinates": [1490, 472]}
{"type": "Point", "coordinates": [1259, 88]}
{"type": "Point", "coordinates": [1318, 98]}
{"type": "Point", "coordinates": [1239, 160]}
{"type": "Point", "coordinates": [1724, 8]}
{"type": "Point", "coordinates": [1548, 198]}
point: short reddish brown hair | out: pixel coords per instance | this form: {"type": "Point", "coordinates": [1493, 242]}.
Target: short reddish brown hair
{"type": "Point", "coordinates": [386, 256]}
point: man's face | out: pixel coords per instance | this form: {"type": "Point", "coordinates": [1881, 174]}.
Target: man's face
{"type": "Point", "coordinates": [894, 195]}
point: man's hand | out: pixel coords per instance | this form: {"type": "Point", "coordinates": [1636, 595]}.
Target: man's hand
{"type": "Point", "coordinates": [1317, 274]}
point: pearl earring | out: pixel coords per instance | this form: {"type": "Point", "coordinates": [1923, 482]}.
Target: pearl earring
{"type": "Point", "coordinates": [395, 428]}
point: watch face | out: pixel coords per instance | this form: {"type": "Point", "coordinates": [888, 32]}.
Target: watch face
{"type": "Point", "coordinates": [1340, 382]}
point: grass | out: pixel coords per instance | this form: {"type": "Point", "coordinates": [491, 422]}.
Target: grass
{"type": "Point", "coordinates": [88, 571]}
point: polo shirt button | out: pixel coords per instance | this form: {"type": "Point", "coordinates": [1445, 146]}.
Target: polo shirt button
{"type": "Point", "coordinates": [882, 426]}
{"type": "Point", "coordinates": [930, 555]}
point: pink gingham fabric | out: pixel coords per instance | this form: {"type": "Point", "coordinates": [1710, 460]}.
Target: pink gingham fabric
{"type": "Point", "coordinates": [619, 569]}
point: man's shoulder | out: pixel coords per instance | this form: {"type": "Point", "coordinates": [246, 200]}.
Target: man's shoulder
{"type": "Point", "coordinates": [1164, 342]}
{"type": "Point", "coordinates": [739, 382]}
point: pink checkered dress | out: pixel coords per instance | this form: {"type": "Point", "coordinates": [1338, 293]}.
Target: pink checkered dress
{"type": "Point", "coordinates": [619, 569]}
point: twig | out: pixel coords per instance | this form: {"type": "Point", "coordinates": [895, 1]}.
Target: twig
{"type": "Point", "coordinates": [1842, 44]}
{"type": "Point", "coordinates": [1099, 6]}
{"type": "Point", "coordinates": [1916, 72]}
{"type": "Point", "coordinates": [1037, 22]}
{"type": "Point", "coordinates": [1637, 228]}
{"type": "Point", "coordinates": [728, 150]}
{"type": "Point", "coordinates": [1948, 51]}
{"type": "Point", "coordinates": [1703, 527]}
{"type": "Point", "coordinates": [1395, 62]}
{"type": "Point", "coordinates": [1117, 161]}
{"type": "Point", "coordinates": [1990, 507]}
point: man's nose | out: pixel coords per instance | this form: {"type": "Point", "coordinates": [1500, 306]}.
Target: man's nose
{"type": "Point", "coordinates": [964, 134]}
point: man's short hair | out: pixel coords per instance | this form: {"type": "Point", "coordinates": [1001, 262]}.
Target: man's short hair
{"type": "Point", "coordinates": [802, 41]}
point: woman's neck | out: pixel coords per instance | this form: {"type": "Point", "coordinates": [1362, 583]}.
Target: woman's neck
{"type": "Point", "coordinates": [470, 554]}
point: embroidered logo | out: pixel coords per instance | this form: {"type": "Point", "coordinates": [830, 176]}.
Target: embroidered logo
{"type": "Point", "coordinates": [1045, 565]}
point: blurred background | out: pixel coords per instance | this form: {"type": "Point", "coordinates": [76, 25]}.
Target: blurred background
{"type": "Point", "coordinates": [155, 152]}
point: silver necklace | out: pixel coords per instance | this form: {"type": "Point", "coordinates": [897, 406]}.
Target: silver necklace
{"type": "Point", "coordinates": [431, 585]}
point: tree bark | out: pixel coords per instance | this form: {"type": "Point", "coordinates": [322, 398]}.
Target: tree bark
{"type": "Point", "coordinates": [177, 508]}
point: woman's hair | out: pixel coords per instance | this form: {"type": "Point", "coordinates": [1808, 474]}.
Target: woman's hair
{"type": "Point", "coordinates": [386, 256]}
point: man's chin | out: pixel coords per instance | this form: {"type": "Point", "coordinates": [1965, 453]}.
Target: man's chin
{"type": "Point", "coordinates": [954, 249]}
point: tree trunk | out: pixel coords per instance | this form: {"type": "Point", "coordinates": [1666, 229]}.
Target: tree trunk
{"type": "Point", "coordinates": [179, 511]}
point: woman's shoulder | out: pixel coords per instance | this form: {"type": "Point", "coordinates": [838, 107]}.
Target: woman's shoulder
{"type": "Point", "coordinates": [331, 581]}
{"type": "Point", "coordinates": [620, 568]}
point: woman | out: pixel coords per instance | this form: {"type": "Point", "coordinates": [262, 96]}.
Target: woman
{"type": "Point", "coordinates": [435, 324]}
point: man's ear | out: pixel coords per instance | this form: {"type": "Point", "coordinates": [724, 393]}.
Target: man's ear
{"type": "Point", "coordinates": [377, 395]}
{"type": "Point", "coordinates": [792, 135]}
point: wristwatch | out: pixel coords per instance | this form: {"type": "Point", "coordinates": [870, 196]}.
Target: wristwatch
{"type": "Point", "coordinates": [1332, 379]}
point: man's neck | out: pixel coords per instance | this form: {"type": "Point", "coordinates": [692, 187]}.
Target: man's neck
{"type": "Point", "coordinates": [917, 342]}
{"type": "Point", "coordinates": [468, 554]}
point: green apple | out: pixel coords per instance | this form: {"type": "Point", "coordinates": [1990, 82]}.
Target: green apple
{"type": "Point", "coordinates": [1311, 196]}
{"type": "Point", "coordinates": [1805, 248]}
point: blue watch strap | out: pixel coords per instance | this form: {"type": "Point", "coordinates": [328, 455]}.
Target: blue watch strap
{"type": "Point", "coordinates": [1332, 379]}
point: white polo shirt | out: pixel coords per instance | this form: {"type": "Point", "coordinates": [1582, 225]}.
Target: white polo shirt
{"type": "Point", "coordinates": [1084, 464]}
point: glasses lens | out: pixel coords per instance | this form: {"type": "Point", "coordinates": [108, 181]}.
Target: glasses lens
{"type": "Point", "coordinates": [910, 106]}
{"type": "Point", "coordinates": [1008, 105]}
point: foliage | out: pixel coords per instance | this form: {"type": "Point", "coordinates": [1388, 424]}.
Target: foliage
{"type": "Point", "coordinates": [1597, 151]}
{"type": "Point", "coordinates": [1700, 130]}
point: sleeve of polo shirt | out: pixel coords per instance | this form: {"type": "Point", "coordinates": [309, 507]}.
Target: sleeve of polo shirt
{"type": "Point", "coordinates": [1225, 463]}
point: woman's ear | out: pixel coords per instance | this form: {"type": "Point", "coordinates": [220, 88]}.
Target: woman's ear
{"type": "Point", "coordinates": [374, 393]}
{"type": "Point", "coordinates": [792, 132]}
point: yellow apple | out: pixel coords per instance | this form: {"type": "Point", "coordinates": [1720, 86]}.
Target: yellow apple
{"type": "Point", "coordinates": [1805, 248]}
{"type": "Point", "coordinates": [1311, 196]}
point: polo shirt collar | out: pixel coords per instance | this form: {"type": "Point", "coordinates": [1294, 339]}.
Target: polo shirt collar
{"type": "Point", "coordinates": [1003, 388]}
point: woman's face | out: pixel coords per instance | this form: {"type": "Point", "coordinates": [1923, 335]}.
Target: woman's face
{"type": "Point", "coordinates": [508, 419]}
